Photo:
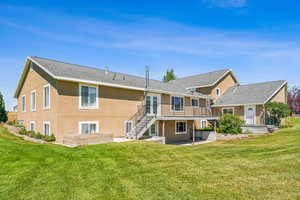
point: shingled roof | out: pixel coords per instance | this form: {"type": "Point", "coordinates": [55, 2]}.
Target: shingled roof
{"type": "Point", "coordinates": [202, 80]}
{"type": "Point", "coordinates": [72, 72]}
{"type": "Point", "coordinates": [251, 94]}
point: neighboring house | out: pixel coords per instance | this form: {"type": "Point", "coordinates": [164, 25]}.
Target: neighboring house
{"type": "Point", "coordinates": [72, 101]}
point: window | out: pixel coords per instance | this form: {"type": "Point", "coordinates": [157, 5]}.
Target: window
{"type": "Point", "coordinates": [88, 97]}
{"type": "Point", "coordinates": [181, 127]}
{"type": "Point", "coordinates": [128, 126]}
{"type": "Point", "coordinates": [218, 92]}
{"type": "Point", "coordinates": [47, 128]}
{"type": "Point", "coordinates": [32, 126]}
{"type": "Point", "coordinates": [228, 111]}
{"type": "Point", "coordinates": [46, 96]}
{"type": "Point", "coordinates": [23, 103]}
{"type": "Point", "coordinates": [195, 102]}
{"type": "Point", "coordinates": [177, 103]}
{"type": "Point", "coordinates": [33, 101]}
{"type": "Point", "coordinates": [203, 123]}
{"type": "Point", "coordinates": [88, 127]}
{"type": "Point", "coordinates": [152, 130]}
{"type": "Point", "coordinates": [21, 122]}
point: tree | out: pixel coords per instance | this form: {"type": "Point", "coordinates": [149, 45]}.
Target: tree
{"type": "Point", "coordinates": [294, 99]}
{"type": "Point", "coordinates": [169, 75]}
{"type": "Point", "coordinates": [230, 124]}
{"type": "Point", "coordinates": [3, 113]}
{"type": "Point", "coordinates": [275, 112]}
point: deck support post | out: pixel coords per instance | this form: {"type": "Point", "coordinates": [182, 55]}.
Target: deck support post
{"type": "Point", "coordinates": [163, 128]}
{"type": "Point", "coordinates": [193, 132]}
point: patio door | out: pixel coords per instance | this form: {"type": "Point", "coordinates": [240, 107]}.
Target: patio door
{"type": "Point", "coordinates": [152, 102]}
{"type": "Point", "coordinates": [250, 115]}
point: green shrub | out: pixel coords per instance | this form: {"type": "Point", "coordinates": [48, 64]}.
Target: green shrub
{"type": "Point", "coordinates": [275, 112]}
{"type": "Point", "coordinates": [39, 136]}
{"type": "Point", "coordinates": [31, 134]}
{"type": "Point", "coordinates": [50, 138]}
{"type": "Point", "coordinates": [23, 132]}
{"type": "Point", "coordinates": [206, 129]}
{"type": "Point", "coordinates": [230, 124]}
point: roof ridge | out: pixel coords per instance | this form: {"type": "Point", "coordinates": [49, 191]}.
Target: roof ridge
{"type": "Point", "coordinates": [90, 67]}
{"type": "Point", "coordinates": [225, 71]}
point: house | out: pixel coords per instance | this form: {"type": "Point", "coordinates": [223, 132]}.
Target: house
{"type": "Point", "coordinates": [77, 103]}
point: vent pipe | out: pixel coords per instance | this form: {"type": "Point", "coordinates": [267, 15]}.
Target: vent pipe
{"type": "Point", "coordinates": [147, 77]}
{"type": "Point", "coordinates": [106, 70]}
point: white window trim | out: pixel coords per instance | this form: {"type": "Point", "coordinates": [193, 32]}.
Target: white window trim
{"type": "Point", "coordinates": [156, 130]}
{"type": "Point", "coordinates": [23, 107]}
{"type": "Point", "coordinates": [182, 105]}
{"type": "Point", "coordinates": [49, 123]}
{"type": "Point", "coordinates": [186, 128]}
{"type": "Point", "coordinates": [32, 122]}
{"type": "Point", "coordinates": [88, 122]}
{"type": "Point", "coordinates": [49, 106]}
{"type": "Point", "coordinates": [197, 101]}
{"type": "Point", "coordinates": [97, 98]}
{"type": "Point", "coordinates": [33, 91]}
{"type": "Point", "coordinates": [125, 125]}
{"type": "Point", "coordinates": [218, 89]}
{"type": "Point", "coordinates": [228, 108]}
{"type": "Point", "coordinates": [202, 124]}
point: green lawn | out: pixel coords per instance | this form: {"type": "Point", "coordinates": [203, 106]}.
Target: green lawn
{"type": "Point", "coordinates": [267, 167]}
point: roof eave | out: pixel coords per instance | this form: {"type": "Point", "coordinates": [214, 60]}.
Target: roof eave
{"type": "Point", "coordinates": [246, 104]}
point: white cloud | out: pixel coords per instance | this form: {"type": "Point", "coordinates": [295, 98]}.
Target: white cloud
{"type": "Point", "coordinates": [226, 3]}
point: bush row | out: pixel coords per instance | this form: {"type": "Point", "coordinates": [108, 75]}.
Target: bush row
{"type": "Point", "coordinates": [35, 135]}
{"type": "Point", "coordinates": [32, 134]}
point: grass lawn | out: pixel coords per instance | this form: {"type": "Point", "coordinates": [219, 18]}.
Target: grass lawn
{"type": "Point", "coordinates": [267, 167]}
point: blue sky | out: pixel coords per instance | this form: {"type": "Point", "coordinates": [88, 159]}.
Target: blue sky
{"type": "Point", "coordinates": [259, 40]}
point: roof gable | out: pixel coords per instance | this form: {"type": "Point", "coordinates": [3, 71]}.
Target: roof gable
{"type": "Point", "coordinates": [203, 80]}
{"type": "Point", "coordinates": [258, 93]}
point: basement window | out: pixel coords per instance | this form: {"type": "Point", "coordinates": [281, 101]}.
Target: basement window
{"type": "Point", "coordinates": [128, 126]}
{"type": "Point", "coordinates": [180, 127]}
{"type": "Point", "coordinates": [46, 128]}
{"type": "Point", "coordinates": [32, 126]}
{"type": "Point", "coordinates": [88, 127]}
